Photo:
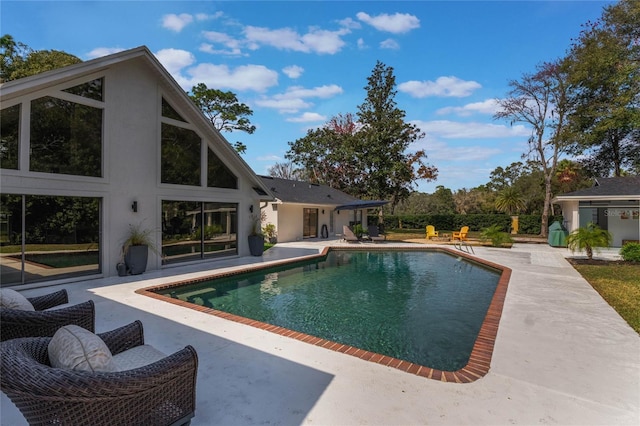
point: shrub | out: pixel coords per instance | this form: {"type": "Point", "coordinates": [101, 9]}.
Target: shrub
{"type": "Point", "coordinates": [496, 235]}
{"type": "Point", "coordinates": [630, 252]}
{"type": "Point", "coordinates": [588, 238]}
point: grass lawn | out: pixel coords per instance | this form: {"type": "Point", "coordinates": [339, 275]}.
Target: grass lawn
{"type": "Point", "coordinates": [619, 285]}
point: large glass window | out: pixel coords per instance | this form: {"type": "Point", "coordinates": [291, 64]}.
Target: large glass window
{"type": "Point", "coordinates": [91, 89]}
{"type": "Point", "coordinates": [66, 137]}
{"type": "Point", "coordinates": [196, 230]}
{"type": "Point", "coordinates": [180, 156]}
{"type": "Point", "coordinates": [61, 237]}
{"type": "Point", "coordinates": [218, 175]}
{"type": "Point", "coordinates": [310, 223]}
{"type": "Point", "coordinates": [9, 137]}
{"type": "Point", "coordinates": [169, 112]}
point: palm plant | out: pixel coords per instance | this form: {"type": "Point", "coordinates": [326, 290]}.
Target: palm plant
{"type": "Point", "coordinates": [588, 238]}
{"type": "Point", "coordinates": [510, 200]}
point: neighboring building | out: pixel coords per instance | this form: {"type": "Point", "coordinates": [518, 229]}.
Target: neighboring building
{"type": "Point", "coordinates": [306, 210]}
{"type": "Point", "coordinates": [88, 150]}
{"type": "Point", "coordinates": [611, 203]}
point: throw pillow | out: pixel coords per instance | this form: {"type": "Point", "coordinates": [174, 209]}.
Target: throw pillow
{"type": "Point", "coordinates": [76, 348]}
{"type": "Point", "coordinates": [11, 299]}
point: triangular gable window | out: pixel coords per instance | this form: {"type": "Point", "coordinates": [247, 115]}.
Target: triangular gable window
{"type": "Point", "coordinates": [169, 112]}
{"type": "Point", "coordinates": [91, 89]}
{"type": "Point", "coordinates": [218, 175]}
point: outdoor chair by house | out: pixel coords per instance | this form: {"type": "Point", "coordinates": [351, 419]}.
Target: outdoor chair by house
{"type": "Point", "coordinates": [431, 232]}
{"type": "Point", "coordinates": [348, 234]}
{"type": "Point", "coordinates": [374, 234]}
{"type": "Point", "coordinates": [117, 381]}
{"type": "Point", "coordinates": [32, 317]}
{"type": "Point", "coordinates": [462, 235]}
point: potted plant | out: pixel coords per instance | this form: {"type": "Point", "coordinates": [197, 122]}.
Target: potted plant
{"type": "Point", "coordinates": [136, 249]}
{"type": "Point", "coordinates": [256, 238]}
{"type": "Point", "coordinates": [270, 231]}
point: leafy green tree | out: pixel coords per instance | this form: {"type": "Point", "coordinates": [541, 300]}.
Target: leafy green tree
{"type": "Point", "coordinates": [391, 170]}
{"type": "Point", "coordinates": [331, 155]}
{"type": "Point", "coordinates": [370, 157]}
{"type": "Point", "coordinates": [510, 201]}
{"type": "Point", "coordinates": [540, 100]}
{"type": "Point", "coordinates": [603, 67]}
{"type": "Point", "coordinates": [588, 238]}
{"type": "Point", "coordinates": [224, 111]}
{"type": "Point", "coordinates": [17, 60]}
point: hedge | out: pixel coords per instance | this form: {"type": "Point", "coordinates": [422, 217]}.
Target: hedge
{"type": "Point", "coordinates": [528, 224]}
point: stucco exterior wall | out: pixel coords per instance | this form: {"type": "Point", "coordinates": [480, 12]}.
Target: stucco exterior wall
{"type": "Point", "coordinates": [133, 93]}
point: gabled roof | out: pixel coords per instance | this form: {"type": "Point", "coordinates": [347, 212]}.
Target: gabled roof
{"type": "Point", "coordinates": [298, 192]}
{"type": "Point", "coordinates": [17, 88]}
{"type": "Point", "coordinates": [627, 187]}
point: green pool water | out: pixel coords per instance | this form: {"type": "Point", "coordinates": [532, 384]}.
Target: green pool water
{"type": "Point", "coordinates": [424, 307]}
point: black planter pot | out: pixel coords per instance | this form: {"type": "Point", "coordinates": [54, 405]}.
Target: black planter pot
{"type": "Point", "coordinates": [256, 245]}
{"type": "Point", "coordinates": [136, 259]}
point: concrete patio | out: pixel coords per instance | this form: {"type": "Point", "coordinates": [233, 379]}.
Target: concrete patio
{"type": "Point", "coordinates": [562, 355]}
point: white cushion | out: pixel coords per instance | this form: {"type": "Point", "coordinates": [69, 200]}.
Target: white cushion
{"type": "Point", "coordinates": [11, 299]}
{"type": "Point", "coordinates": [76, 348]}
{"type": "Point", "coordinates": [137, 357]}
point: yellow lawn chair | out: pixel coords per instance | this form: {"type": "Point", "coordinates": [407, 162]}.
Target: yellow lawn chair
{"type": "Point", "coordinates": [462, 235]}
{"type": "Point", "coordinates": [431, 232]}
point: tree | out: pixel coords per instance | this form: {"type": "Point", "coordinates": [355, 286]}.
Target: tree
{"type": "Point", "coordinates": [510, 200]}
{"type": "Point", "coordinates": [588, 238]}
{"type": "Point", "coordinates": [386, 137]}
{"type": "Point", "coordinates": [603, 66]}
{"type": "Point", "coordinates": [285, 171]}
{"type": "Point", "coordinates": [330, 155]}
{"type": "Point", "coordinates": [17, 60]}
{"type": "Point", "coordinates": [224, 111]}
{"type": "Point", "coordinates": [540, 100]}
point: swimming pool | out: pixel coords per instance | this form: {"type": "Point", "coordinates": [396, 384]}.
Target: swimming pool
{"type": "Point", "coordinates": [421, 308]}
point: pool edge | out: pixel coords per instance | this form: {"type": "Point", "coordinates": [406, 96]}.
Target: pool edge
{"type": "Point", "coordinates": [479, 362]}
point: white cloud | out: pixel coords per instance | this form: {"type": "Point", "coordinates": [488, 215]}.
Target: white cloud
{"type": "Point", "coordinates": [325, 91]}
{"type": "Point", "coordinates": [349, 23]}
{"type": "Point", "coordinates": [174, 60]}
{"type": "Point", "coordinates": [103, 51]}
{"type": "Point", "coordinates": [293, 71]}
{"type": "Point", "coordinates": [398, 23]}
{"type": "Point", "coordinates": [444, 86]}
{"type": "Point", "coordinates": [474, 130]}
{"type": "Point", "coordinates": [293, 99]}
{"type": "Point", "coordinates": [489, 106]}
{"type": "Point", "coordinates": [314, 41]}
{"type": "Point", "coordinates": [289, 106]}
{"type": "Point", "coordinates": [222, 38]}
{"type": "Point", "coordinates": [270, 157]}
{"type": "Point", "coordinates": [361, 44]}
{"type": "Point", "coordinates": [209, 48]}
{"type": "Point", "coordinates": [307, 117]}
{"type": "Point", "coordinates": [438, 151]}
{"type": "Point", "coordinates": [389, 44]}
{"type": "Point", "coordinates": [246, 77]}
{"type": "Point", "coordinates": [175, 22]}
{"type": "Point", "coordinates": [206, 17]}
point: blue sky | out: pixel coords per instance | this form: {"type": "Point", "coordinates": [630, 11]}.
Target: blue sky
{"type": "Point", "coordinates": [298, 63]}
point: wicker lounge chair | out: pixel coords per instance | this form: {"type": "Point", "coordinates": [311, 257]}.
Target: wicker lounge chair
{"type": "Point", "coordinates": [161, 393]}
{"type": "Point", "coordinates": [43, 321]}
{"type": "Point", "coordinates": [348, 235]}
{"type": "Point", "coordinates": [374, 234]}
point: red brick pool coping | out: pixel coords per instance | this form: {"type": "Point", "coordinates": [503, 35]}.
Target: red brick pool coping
{"type": "Point", "coordinates": [479, 360]}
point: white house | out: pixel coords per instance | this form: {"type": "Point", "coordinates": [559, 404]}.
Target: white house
{"type": "Point", "coordinates": [305, 210]}
{"type": "Point", "coordinates": [89, 150]}
{"type": "Point", "coordinates": [611, 203]}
